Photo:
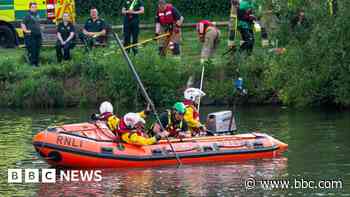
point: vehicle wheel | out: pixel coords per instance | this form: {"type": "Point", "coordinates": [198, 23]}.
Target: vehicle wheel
{"type": "Point", "coordinates": [7, 37]}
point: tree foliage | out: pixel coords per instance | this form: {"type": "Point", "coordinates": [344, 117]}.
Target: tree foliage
{"type": "Point", "coordinates": [198, 8]}
{"type": "Point", "coordinates": [315, 69]}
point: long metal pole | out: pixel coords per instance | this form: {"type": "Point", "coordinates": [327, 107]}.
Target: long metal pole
{"type": "Point", "coordinates": [144, 92]}
{"type": "Point", "coordinates": [146, 41]}
{"type": "Point", "coordinates": [201, 86]}
{"type": "Point", "coordinates": [140, 43]}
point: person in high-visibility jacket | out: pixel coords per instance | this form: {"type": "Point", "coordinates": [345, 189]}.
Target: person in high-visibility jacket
{"type": "Point", "coordinates": [106, 115]}
{"type": "Point", "coordinates": [173, 122]}
{"type": "Point", "coordinates": [209, 35]}
{"type": "Point", "coordinates": [131, 25]}
{"type": "Point", "coordinates": [131, 130]}
{"type": "Point", "coordinates": [232, 36]}
{"type": "Point", "coordinates": [111, 120]}
{"type": "Point", "coordinates": [192, 97]}
{"type": "Point", "coordinates": [333, 7]}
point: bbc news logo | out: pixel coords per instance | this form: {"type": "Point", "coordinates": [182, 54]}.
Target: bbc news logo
{"type": "Point", "coordinates": [52, 175]}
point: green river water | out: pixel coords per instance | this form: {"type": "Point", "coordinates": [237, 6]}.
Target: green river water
{"type": "Point", "coordinates": [318, 141]}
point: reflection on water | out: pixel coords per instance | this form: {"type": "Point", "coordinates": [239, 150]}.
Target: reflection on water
{"type": "Point", "coordinates": [318, 149]}
{"type": "Point", "coordinates": [197, 180]}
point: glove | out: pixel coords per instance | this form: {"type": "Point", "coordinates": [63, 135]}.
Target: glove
{"type": "Point", "coordinates": [161, 135]}
{"type": "Point", "coordinates": [202, 128]}
{"type": "Point", "coordinates": [95, 117]}
{"type": "Point", "coordinates": [184, 135]}
{"type": "Point", "coordinates": [176, 30]}
{"type": "Point", "coordinates": [157, 30]}
{"type": "Point", "coordinates": [148, 110]}
{"type": "Point", "coordinates": [201, 37]}
{"type": "Point", "coordinates": [252, 18]}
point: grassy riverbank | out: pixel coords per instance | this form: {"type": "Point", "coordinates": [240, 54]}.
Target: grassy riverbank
{"type": "Point", "coordinates": [313, 71]}
{"type": "Point", "coordinates": [90, 78]}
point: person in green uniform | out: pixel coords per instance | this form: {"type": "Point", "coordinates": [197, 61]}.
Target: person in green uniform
{"type": "Point", "coordinates": [32, 34]}
{"type": "Point", "coordinates": [245, 25]}
{"type": "Point", "coordinates": [131, 11]}
{"type": "Point", "coordinates": [94, 30]}
{"type": "Point", "coordinates": [65, 38]}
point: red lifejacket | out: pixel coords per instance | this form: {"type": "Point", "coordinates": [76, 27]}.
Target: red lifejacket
{"type": "Point", "coordinates": [189, 103]}
{"type": "Point", "coordinates": [166, 17]}
{"type": "Point", "coordinates": [122, 128]}
{"type": "Point", "coordinates": [105, 116]}
{"type": "Point", "coordinates": [202, 26]}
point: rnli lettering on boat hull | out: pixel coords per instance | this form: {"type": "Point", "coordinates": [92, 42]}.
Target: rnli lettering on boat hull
{"type": "Point", "coordinates": [69, 141]}
{"type": "Point", "coordinates": [85, 145]}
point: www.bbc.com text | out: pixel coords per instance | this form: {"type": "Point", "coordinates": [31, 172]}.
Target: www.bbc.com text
{"type": "Point", "coordinates": [252, 183]}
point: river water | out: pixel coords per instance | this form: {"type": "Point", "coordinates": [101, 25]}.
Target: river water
{"type": "Point", "coordinates": [318, 141]}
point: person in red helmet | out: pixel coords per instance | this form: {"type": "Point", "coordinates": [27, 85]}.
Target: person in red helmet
{"type": "Point", "coordinates": [209, 35]}
{"type": "Point", "coordinates": [168, 20]}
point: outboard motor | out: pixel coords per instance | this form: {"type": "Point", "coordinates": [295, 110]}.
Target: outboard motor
{"type": "Point", "coordinates": [221, 123]}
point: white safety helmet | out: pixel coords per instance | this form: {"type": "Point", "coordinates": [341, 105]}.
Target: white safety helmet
{"type": "Point", "coordinates": [132, 119]}
{"type": "Point", "coordinates": [193, 94]}
{"type": "Point", "coordinates": [106, 107]}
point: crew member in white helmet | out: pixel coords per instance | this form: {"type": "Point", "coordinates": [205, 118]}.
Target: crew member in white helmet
{"type": "Point", "coordinates": [112, 121]}
{"type": "Point", "coordinates": [192, 97]}
{"type": "Point", "coordinates": [107, 115]}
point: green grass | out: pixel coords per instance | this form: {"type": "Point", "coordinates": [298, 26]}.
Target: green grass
{"type": "Point", "coordinates": [308, 74]}
{"type": "Point", "coordinates": [118, 20]}
{"type": "Point", "coordinates": [190, 46]}
{"type": "Point", "coordinates": [103, 74]}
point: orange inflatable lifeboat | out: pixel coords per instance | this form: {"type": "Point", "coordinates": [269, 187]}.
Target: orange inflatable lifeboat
{"type": "Point", "coordinates": [93, 145]}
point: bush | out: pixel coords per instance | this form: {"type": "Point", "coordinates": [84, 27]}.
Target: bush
{"type": "Point", "coordinates": [41, 92]}
{"type": "Point", "coordinates": [198, 8]}
{"type": "Point", "coordinates": [313, 70]}
{"type": "Point", "coordinates": [7, 70]}
{"type": "Point", "coordinates": [162, 79]}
